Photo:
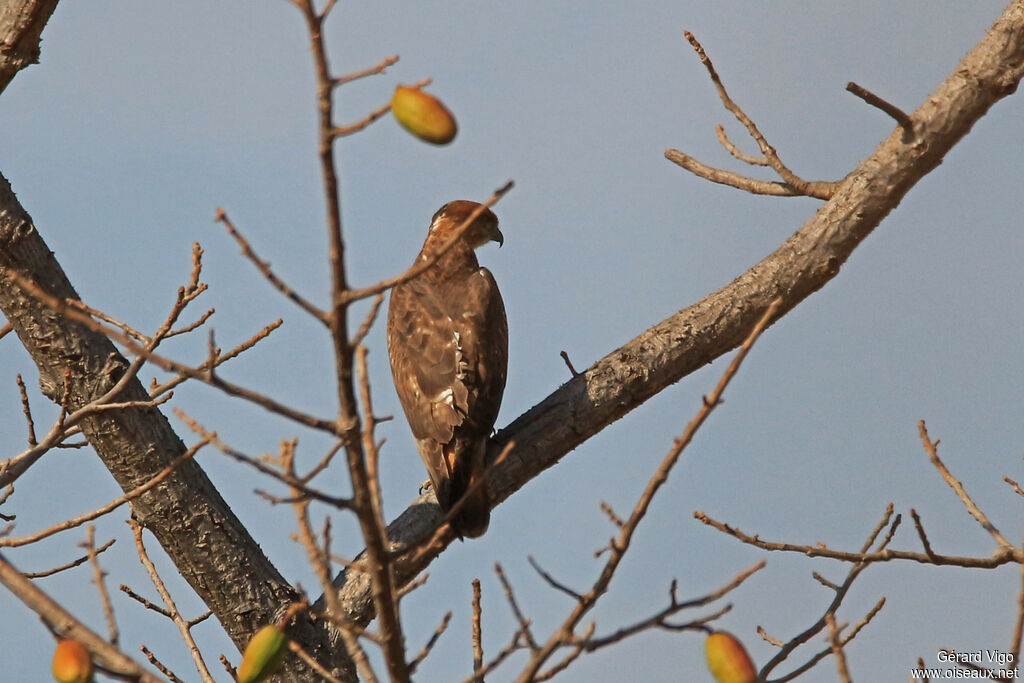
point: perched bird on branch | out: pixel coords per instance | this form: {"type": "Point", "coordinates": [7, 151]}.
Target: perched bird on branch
{"type": "Point", "coordinates": [448, 345]}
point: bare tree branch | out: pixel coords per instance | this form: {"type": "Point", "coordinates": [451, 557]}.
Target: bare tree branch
{"type": "Point", "coordinates": [980, 517]}
{"type": "Point", "coordinates": [230, 572]}
{"type": "Point", "coordinates": [99, 580]}
{"type": "Point", "coordinates": [106, 655]}
{"type": "Point", "coordinates": [698, 334]}
{"type": "Point", "coordinates": [21, 24]}
{"type": "Point", "coordinates": [371, 71]}
{"type": "Point", "coordinates": [365, 505]}
{"type": "Point", "coordinates": [69, 565]}
{"type": "Point", "coordinates": [184, 627]}
{"type": "Point", "coordinates": [818, 189]}
{"type": "Point", "coordinates": [659, 619]}
{"type": "Point", "coordinates": [841, 590]}
{"type": "Point", "coordinates": [478, 648]}
{"type": "Point", "coordinates": [585, 602]}
{"type": "Point", "coordinates": [265, 269]}
{"type": "Point", "coordinates": [834, 640]}
{"type": "Point", "coordinates": [998, 558]}
{"type": "Point", "coordinates": [876, 101]}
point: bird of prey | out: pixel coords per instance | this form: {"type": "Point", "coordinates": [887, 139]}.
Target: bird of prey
{"type": "Point", "coordinates": [448, 346]}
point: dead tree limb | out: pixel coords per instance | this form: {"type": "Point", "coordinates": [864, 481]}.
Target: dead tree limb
{"type": "Point", "coordinates": [700, 333]}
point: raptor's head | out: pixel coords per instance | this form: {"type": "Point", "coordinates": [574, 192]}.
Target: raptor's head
{"type": "Point", "coordinates": [450, 217]}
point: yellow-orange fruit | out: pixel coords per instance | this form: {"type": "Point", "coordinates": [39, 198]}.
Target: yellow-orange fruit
{"type": "Point", "coordinates": [72, 663]}
{"type": "Point", "coordinates": [263, 655]}
{"type": "Point", "coordinates": [728, 660]}
{"type": "Point", "coordinates": [423, 115]}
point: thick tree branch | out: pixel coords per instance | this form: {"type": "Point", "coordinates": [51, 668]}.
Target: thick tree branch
{"type": "Point", "coordinates": [21, 24]}
{"type": "Point", "coordinates": [696, 335]}
{"type": "Point", "coordinates": [228, 569]}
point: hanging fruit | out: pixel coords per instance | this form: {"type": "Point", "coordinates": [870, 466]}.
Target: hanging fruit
{"type": "Point", "coordinates": [728, 659]}
{"type": "Point", "coordinates": [263, 655]}
{"type": "Point", "coordinates": [71, 662]}
{"type": "Point", "coordinates": [423, 115]}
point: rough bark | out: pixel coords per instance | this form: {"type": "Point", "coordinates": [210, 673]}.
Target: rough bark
{"type": "Point", "coordinates": [21, 25]}
{"type": "Point", "coordinates": [209, 546]}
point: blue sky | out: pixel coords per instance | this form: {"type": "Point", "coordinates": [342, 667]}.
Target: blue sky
{"type": "Point", "coordinates": [142, 118]}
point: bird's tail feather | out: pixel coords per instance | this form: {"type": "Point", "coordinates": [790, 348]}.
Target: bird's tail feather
{"type": "Point", "coordinates": [474, 515]}
{"type": "Point", "coordinates": [467, 483]}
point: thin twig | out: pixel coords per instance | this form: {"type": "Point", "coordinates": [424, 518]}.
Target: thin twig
{"type": "Point", "coordinates": [478, 648]}
{"type": "Point", "coordinates": [202, 373]}
{"type": "Point", "coordinates": [875, 101]}
{"type": "Point", "coordinates": [368, 321]}
{"type": "Point", "coordinates": [607, 509]}
{"type": "Point", "coordinates": [920, 665]}
{"type": "Point", "coordinates": [372, 456]}
{"type": "Point", "coordinates": [823, 581]}
{"type": "Point", "coordinates": [1000, 557]}
{"type": "Point", "coordinates": [767, 638]}
{"type": "Point", "coordinates": [64, 624]}
{"type": "Point", "coordinates": [819, 190]}
{"type": "Point", "coordinates": [660, 619]}
{"type": "Point", "coordinates": [568, 363]}
{"type": "Point", "coordinates": [1018, 626]}
{"type": "Point", "coordinates": [1016, 487]}
{"type": "Point", "coordinates": [100, 315]}
{"type": "Point", "coordinates": [576, 648]}
{"type": "Point", "coordinates": [312, 663]}
{"type": "Point", "coordinates": [163, 668]}
{"type": "Point", "coordinates": [510, 596]}
{"type": "Point", "coordinates": [27, 410]}
{"type": "Point", "coordinates": [112, 505]}
{"type": "Point", "coordinates": [551, 580]}
{"type": "Point", "coordinates": [422, 654]}
{"type": "Point", "coordinates": [840, 591]}
{"type": "Point", "coordinates": [145, 602]}
{"type": "Point", "coordinates": [355, 127]}
{"type": "Point", "coordinates": [619, 546]}
{"type": "Point", "coordinates": [933, 454]}
{"type": "Point", "coordinates": [724, 140]}
{"type": "Point", "coordinates": [183, 625]}
{"type": "Point", "coordinates": [320, 559]}
{"type": "Point", "coordinates": [324, 462]}
{"type": "Point", "coordinates": [300, 489]}
{"type": "Point", "coordinates": [70, 565]}
{"type": "Point", "coordinates": [921, 534]}
{"type": "Point", "coordinates": [67, 421]}
{"type": "Point", "coordinates": [837, 648]}
{"type": "Point", "coordinates": [721, 176]}
{"type": "Point", "coordinates": [371, 71]}
{"type": "Point", "coordinates": [158, 389]}
{"type": "Point", "coordinates": [513, 646]}
{"type": "Point", "coordinates": [98, 580]}
{"type": "Point", "coordinates": [268, 273]}
{"type": "Point", "coordinates": [418, 582]}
